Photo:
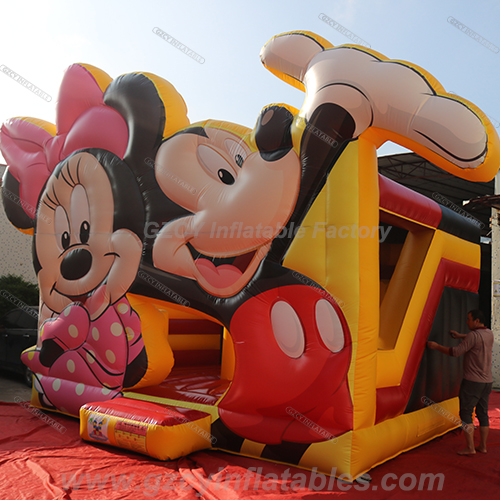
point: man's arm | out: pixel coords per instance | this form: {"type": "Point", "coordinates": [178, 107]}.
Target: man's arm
{"type": "Point", "coordinates": [457, 335]}
{"type": "Point", "coordinates": [438, 347]}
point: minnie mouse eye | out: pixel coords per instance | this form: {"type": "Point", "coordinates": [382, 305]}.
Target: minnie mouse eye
{"type": "Point", "coordinates": [65, 240]}
{"type": "Point", "coordinates": [80, 214]}
{"type": "Point", "coordinates": [84, 232]}
{"type": "Point", "coordinates": [62, 229]}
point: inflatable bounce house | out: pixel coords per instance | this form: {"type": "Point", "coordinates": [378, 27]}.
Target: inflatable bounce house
{"type": "Point", "coordinates": [260, 291]}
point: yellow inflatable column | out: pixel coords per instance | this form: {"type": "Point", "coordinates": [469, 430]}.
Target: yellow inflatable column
{"type": "Point", "coordinates": [341, 229]}
{"type": "Point", "coordinates": [154, 326]}
{"type": "Point", "coordinates": [364, 390]}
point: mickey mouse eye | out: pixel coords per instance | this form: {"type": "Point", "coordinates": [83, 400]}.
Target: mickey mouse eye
{"type": "Point", "coordinates": [225, 177]}
{"type": "Point", "coordinates": [216, 164]}
{"type": "Point", "coordinates": [84, 232]}
{"type": "Point", "coordinates": [236, 151]}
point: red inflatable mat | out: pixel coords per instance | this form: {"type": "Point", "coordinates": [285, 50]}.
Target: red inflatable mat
{"type": "Point", "coordinates": [45, 459]}
{"type": "Point", "coordinates": [200, 384]}
{"type": "Point", "coordinates": [145, 411]}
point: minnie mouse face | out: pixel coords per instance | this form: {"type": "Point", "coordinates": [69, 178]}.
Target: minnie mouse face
{"type": "Point", "coordinates": [82, 255]}
{"type": "Point", "coordinates": [240, 197]}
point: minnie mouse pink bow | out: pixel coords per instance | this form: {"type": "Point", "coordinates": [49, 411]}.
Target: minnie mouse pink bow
{"type": "Point", "coordinates": [83, 121]}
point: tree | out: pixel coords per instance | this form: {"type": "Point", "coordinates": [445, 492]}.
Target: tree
{"type": "Point", "coordinates": [15, 291]}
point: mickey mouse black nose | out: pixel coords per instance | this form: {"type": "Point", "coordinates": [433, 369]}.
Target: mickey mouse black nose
{"type": "Point", "coordinates": [76, 264]}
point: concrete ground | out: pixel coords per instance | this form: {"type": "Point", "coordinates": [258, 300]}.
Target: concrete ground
{"type": "Point", "coordinates": [12, 388]}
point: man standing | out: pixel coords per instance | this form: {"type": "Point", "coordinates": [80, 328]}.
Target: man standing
{"type": "Point", "coordinates": [477, 347]}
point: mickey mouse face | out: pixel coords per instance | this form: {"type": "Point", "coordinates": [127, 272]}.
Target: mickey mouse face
{"type": "Point", "coordinates": [82, 257]}
{"type": "Point", "coordinates": [240, 198]}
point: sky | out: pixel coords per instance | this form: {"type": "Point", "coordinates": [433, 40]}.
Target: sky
{"type": "Point", "coordinates": [228, 81]}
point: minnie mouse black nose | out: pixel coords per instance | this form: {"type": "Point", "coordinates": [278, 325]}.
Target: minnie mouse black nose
{"type": "Point", "coordinates": [76, 264]}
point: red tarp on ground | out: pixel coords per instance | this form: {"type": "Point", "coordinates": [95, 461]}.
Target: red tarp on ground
{"type": "Point", "coordinates": [40, 461]}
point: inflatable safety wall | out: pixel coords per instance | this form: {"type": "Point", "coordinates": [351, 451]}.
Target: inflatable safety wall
{"type": "Point", "coordinates": [261, 291]}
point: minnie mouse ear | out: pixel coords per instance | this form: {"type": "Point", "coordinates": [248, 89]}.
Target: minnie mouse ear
{"type": "Point", "coordinates": [153, 110]}
{"type": "Point", "coordinates": [19, 214]}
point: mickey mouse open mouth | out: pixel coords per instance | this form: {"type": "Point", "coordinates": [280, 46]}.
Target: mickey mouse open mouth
{"type": "Point", "coordinates": [221, 272]}
{"type": "Point", "coordinates": [226, 276]}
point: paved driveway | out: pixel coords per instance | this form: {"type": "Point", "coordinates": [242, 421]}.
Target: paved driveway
{"type": "Point", "coordinates": [12, 386]}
